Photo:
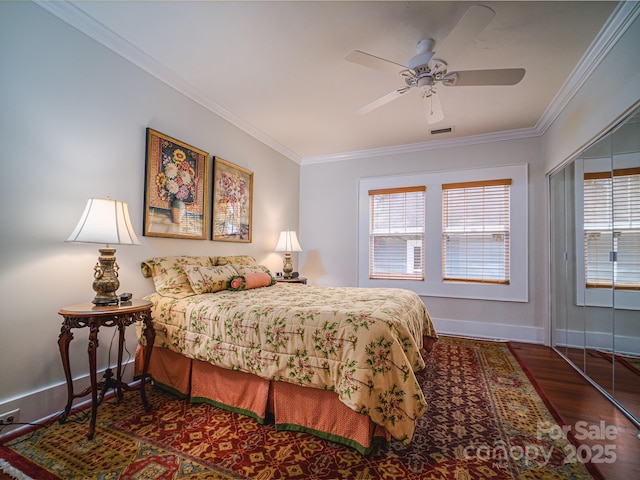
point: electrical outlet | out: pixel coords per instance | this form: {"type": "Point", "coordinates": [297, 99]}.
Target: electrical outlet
{"type": "Point", "coordinates": [10, 417]}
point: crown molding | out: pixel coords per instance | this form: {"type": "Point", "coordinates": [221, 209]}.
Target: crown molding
{"type": "Point", "coordinates": [620, 20]}
{"type": "Point", "coordinates": [622, 17]}
{"type": "Point", "coordinates": [423, 146]}
{"type": "Point", "coordinates": [77, 18]}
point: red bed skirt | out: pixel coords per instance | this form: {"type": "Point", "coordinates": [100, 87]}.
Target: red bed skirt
{"type": "Point", "coordinates": [296, 408]}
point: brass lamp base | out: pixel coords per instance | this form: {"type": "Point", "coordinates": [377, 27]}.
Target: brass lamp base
{"type": "Point", "coordinates": [105, 275]}
{"type": "Point", "coordinates": [287, 266]}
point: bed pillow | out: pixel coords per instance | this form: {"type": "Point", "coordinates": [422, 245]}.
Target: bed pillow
{"type": "Point", "coordinates": [236, 260]}
{"type": "Point", "coordinates": [250, 280]}
{"type": "Point", "coordinates": [246, 269]}
{"type": "Point", "coordinates": [169, 276]}
{"type": "Point", "coordinates": [209, 279]}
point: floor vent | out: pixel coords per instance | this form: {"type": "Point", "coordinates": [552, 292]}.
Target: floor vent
{"type": "Point", "coordinates": [438, 131]}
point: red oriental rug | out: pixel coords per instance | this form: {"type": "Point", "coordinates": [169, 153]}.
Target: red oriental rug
{"type": "Point", "coordinates": [486, 420]}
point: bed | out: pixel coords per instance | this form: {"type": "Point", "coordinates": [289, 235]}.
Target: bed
{"type": "Point", "coordinates": [228, 334]}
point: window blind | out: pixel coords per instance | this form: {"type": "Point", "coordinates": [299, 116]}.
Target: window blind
{"type": "Point", "coordinates": [612, 229]}
{"type": "Point", "coordinates": [396, 233]}
{"type": "Point", "coordinates": [476, 231]}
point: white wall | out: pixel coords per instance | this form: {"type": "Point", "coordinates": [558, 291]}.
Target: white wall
{"type": "Point", "coordinates": [328, 231]}
{"type": "Point", "coordinates": [72, 125]}
{"type": "Point", "coordinates": [610, 91]}
{"type": "Point", "coordinates": [328, 198]}
{"type": "Point", "coordinates": [72, 121]}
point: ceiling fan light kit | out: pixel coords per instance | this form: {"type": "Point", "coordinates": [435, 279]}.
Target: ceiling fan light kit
{"type": "Point", "coordinates": [423, 71]}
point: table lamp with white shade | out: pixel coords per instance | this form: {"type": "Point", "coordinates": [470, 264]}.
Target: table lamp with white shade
{"type": "Point", "coordinates": [105, 221]}
{"type": "Point", "coordinates": [287, 243]}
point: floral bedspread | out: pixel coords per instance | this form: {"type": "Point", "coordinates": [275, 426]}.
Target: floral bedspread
{"type": "Point", "coordinates": [363, 343]}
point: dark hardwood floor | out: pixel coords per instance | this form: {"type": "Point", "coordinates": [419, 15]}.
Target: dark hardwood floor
{"type": "Point", "coordinates": [599, 365]}
{"type": "Point", "coordinates": [577, 401]}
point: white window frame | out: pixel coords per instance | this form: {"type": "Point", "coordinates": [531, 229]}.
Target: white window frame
{"type": "Point", "coordinates": [433, 285]}
{"type": "Point", "coordinates": [391, 228]}
{"type": "Point", "coordinates": [598, 297]}
{"type": "Point", "coordinates": [484, 198]}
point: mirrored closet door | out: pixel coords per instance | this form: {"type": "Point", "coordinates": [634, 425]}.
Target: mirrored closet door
{"type": "Point", "coordinates": [595, 263]}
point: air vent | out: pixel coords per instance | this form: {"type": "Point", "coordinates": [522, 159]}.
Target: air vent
{"type": "Point", "coordinates": [438, 131]}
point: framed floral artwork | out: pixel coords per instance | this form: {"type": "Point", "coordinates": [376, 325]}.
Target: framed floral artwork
{"type": "Point", "coordinates": [176, 188]}
{"type": "Point", "coordinates": [232, 202]}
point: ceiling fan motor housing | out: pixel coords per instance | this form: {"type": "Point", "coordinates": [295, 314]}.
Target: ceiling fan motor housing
{"type": "Point", "coordinates": [420, 60]}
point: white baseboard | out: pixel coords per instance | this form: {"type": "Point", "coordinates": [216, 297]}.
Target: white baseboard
{"type": "Point", "coordinates": [624, 345]}
{"type": "Point", "coordinates": [494, 331]}
{"type": "Point", "coordinates": [48, 402]}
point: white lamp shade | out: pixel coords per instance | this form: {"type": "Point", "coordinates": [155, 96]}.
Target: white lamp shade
{"type": "Point", "coordinates": [105, 221]}
{"type": "Point", "coordinates": [288, 242]}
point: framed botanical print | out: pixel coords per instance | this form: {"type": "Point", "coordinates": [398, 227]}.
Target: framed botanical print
{"type": "Point", "coordinates": [232, 202]}
{"type": "Point", "coordinates": [176, 188]}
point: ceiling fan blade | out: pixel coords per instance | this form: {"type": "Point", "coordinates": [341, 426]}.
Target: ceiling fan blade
{"type": "Point", "coordinates": [505, 76]}
{"type": "Point", "coordinates": [433, 108]}
{"type": "Point", "coordinates": [474, 21]}
{"type": "Point", "coordinates": [378, 102]}
{"type": "Point", "coordinates": [371, 61]}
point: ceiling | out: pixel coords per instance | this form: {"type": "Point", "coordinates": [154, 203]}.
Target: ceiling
{"type": "Point", "coordinates": [277, 69]}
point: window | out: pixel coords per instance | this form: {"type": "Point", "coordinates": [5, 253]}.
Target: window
{"type": "Point", "coordinates": [612, 229]}
{"type": "Point", "coordinates": [413, 241]}
{"type": "Point", "coordinates": [475, 231]}
{"type": "Point", "coordinates": [396, 233]}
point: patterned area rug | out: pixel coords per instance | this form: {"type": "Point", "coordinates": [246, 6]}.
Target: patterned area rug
{"type": "Point", "coordinates": [485, 420]}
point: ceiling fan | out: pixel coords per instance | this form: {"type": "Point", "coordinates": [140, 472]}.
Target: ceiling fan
{"type": "Point", "coordinates": [424, 72]}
